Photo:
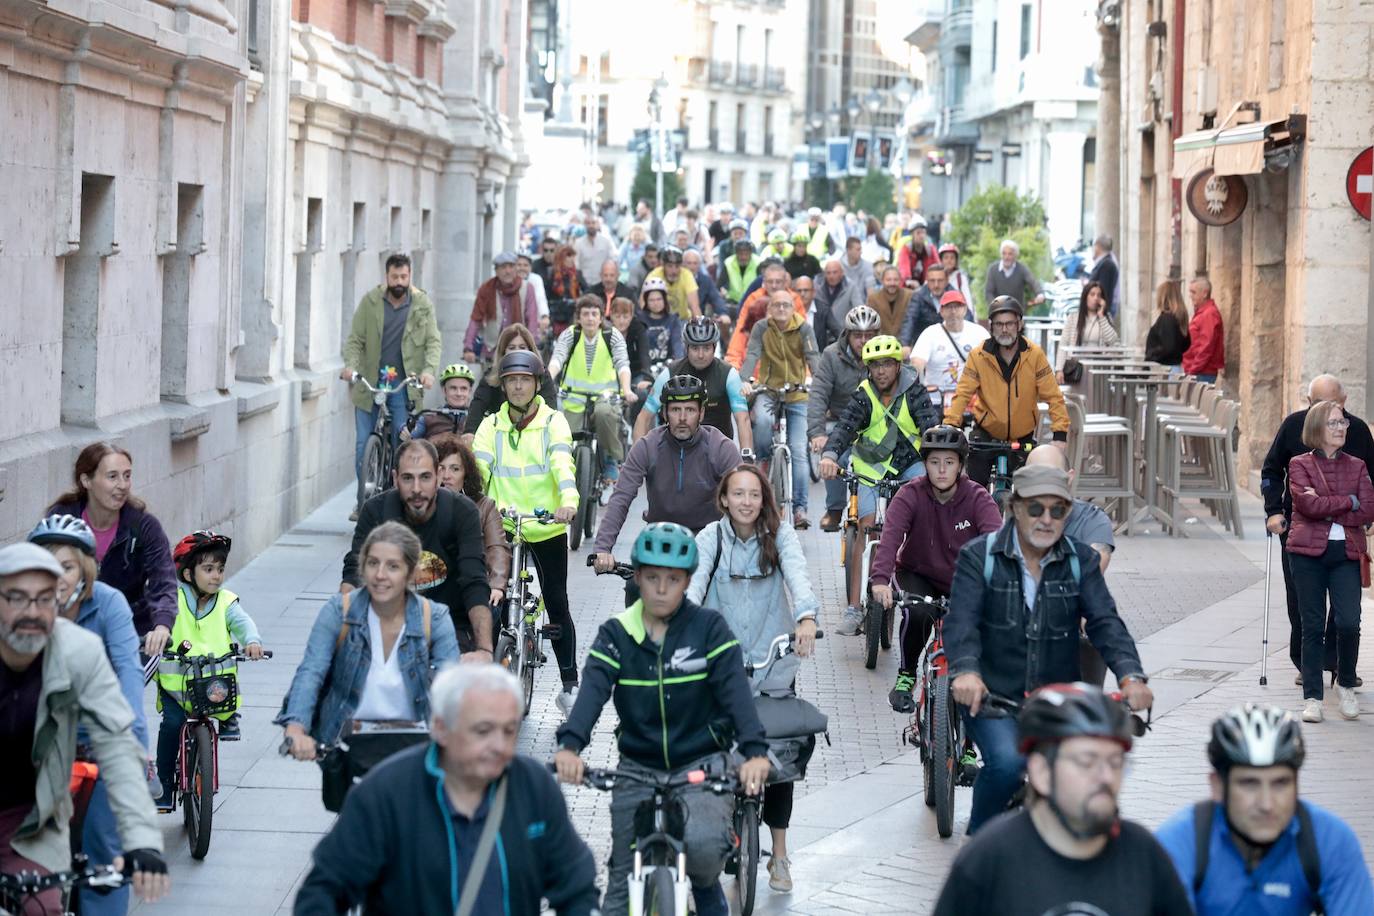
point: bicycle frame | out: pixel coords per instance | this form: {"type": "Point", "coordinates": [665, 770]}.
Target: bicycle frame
{"type": "Point", "coordinates": [781, 451]}
{"type": "Point", "coordinates": [518, 623]}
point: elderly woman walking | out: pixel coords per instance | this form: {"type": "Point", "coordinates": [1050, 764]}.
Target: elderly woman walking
{"type": "Point", "coordinates": [1333, 499]}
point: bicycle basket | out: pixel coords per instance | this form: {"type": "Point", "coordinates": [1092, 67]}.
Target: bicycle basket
{"type": "Point", "coordinates": [212, 691]}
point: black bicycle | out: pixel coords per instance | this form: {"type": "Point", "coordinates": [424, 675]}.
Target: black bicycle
{"type": "Point", "coordinates": [999, 482]}
{"type": "Point", "coordinates": [588, 458]}
{"type": "Point", "coordinates": [19, 892]}
{"type": "Point", "coordinates": [518, 645]}
{"type": "Point", "coordinates": [378, 457]}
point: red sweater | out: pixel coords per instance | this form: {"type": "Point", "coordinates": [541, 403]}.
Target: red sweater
{"type": "Point", "coordinates": [1206, 353]}
{"type": "Point", "coordinates": [1334, 480]}
{"type": "Point", "coordinates": [924, 536]}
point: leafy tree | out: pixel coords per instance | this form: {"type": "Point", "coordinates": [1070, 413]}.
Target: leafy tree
{"type": "Point", "coordinates": [876, 194]}
{"type": "Point", "coordinates": [992, 214]}
{"type": "Point", "coordinates": [645, 183]}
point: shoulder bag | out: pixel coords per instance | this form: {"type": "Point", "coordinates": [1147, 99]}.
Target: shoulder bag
{"type": "Point", "coordinates": [1364, 554]}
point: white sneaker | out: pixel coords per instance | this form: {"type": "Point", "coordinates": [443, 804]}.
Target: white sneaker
{"type": "Point", "coordinates": [565, 699]}
{"type": "Point", "coordinates": [1350, 707]}
{"type": "Point", "coordinates": [851, 623]}
{"type": "Point", "coordinates": [1312, 712]}
{"type": "Point", "coordinates": [780, 875]}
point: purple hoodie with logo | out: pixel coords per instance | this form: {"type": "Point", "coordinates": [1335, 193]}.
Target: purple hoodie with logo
{"type": "Point", "coordinates": [924, 536]}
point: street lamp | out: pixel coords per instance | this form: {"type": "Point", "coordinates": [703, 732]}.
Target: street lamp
{"type": "Point", "coordinates": [656, 112]}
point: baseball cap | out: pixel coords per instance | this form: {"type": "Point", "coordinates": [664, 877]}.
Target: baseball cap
{"type": "Point", "coordinates": [952, 297]}
{"type": "Point", "coordinates": [26, 557]}
{"type": "Point", "coordinates": [1041, 480]}
{"type": "Point", "coordinates": [504, 257]}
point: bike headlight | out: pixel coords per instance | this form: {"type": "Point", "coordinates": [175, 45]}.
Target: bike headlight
{"type": "Point", "coordinates": [217, 690]}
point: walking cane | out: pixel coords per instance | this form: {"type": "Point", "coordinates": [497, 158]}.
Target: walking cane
{"type": "Point", "coordinates": [1264, 643]}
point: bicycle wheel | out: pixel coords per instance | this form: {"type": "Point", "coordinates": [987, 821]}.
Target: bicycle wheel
{"type": "Point", "coordinates": [873, 625]}
{"type": "Point", "coordinates": [594, 502]}
{"type": "Point", "coordinates": [660, 898]}
{"type": "Point", "coordinates": [944, 758]}
{"type": "Point", "coordinates": [814, 460]}
{"type": "Point", "coordinates": [585, 495]}
{"type": "Point", "coordinates": [747, 874]}
{"type": "Point", "coordinates": [780, 479]}
{"type": "Point", "coordinates": [370, 481]}
{"type": "Point", "coordinates": [526, 673]}
{"type": "Point", "coordinates": [885, 634]}
{"type": "Point", "coordinates": [198, 804]}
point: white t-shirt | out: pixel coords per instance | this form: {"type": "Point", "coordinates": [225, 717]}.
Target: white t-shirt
{"type": "Point", "coordinates": [384, 694]}
{"type": "Point", "coordinates": [943, 365]}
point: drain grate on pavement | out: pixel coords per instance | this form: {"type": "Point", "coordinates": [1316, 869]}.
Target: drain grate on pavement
{"type": "Point", "coordinates": [1211, 675]}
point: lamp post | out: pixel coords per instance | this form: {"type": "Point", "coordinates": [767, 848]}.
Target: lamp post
{"type": "Point", "coordinates": [656, 142]}
{"type": "Point", "coordinates": [832, 119]}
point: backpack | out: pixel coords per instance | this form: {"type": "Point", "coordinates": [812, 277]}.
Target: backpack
{"type": "Point", "coordinates": [1205, 811]}
{"type": "Point", "coordinates": [343, 630]}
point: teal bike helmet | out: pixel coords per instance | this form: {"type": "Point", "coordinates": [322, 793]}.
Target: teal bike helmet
{"type": "Point", "coordinates": [665, 544]}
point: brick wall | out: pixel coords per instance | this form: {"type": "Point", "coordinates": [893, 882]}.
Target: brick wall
{"type": "Point", "coordinates": [364, 23]}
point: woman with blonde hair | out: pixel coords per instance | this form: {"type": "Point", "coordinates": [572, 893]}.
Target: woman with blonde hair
{"type": "Point", "coordinates": [488, 396]}
{"type": "Point", "coordinates": [1168, 336]}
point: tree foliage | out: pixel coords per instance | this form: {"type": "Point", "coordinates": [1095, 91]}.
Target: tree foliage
{"type": "Point", "coordinates": [992, 214]}
{"type": "Point", "coordinates": [645, 184]}
{"type": "Point", "coordinates": [876, 194]}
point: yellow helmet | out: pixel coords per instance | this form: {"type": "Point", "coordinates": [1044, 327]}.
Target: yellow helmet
{"type": "Point", "coordinates": [884, 346]}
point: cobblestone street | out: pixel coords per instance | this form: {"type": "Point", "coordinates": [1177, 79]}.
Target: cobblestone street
{"type": "Point", "coordinates": [862, 841]}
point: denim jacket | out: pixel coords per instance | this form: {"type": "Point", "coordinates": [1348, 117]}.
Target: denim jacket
{"type": "Point", "coordinates": [106, 614]}
{"type": "Point", "coordinates": [989, 630]}
{"type": "Point", "coordinates": [322, 711]}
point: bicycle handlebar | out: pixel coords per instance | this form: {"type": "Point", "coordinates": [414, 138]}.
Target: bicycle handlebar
{"type": "Point", "coordinates": [996, 706]}
{"type": "Point", "coordinates": [31, 883]}
{"type": "Point", "coordinates": [887, 486]}
{"type": "Point", "coordinates": [784, 390]}
{"type": "Point", "coordinates": [910, 601]}
{"type": "Point", "coordinates": [410, 381]}
{"type": "Point", "coordinates": [623, 570]}
{"type": "Point", "coordinates": [781, 645]}
{"type": "Point", "coordinates": [605, 780]}
{"type": "Point", "coordinates": [180, 655]}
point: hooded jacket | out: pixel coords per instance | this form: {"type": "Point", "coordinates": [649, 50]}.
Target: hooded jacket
{"type": "Point", "coordinates": [833, 385]}
{"type": "Point", "coordinates": [782, 357]}
{"type": "Point", "coordinates": [420, 349]}
{"type": "Point", "coordinates": [678, 701]}
{"type": "Point", "coordinates": [924, 535]}
{"type": "Point", "coordinates": [1008, 394]}
{"type": "Point", "coordinates": [858, 414]}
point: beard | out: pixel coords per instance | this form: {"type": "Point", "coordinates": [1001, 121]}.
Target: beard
{"type": "Point", "coordinates": [1004, 340]}
{"type": "Point", "coordinates": [418, 516]}
{"type": "Point", "coordinates": [27, 642]}
{"type": "Point", "coordinates": [397, 291]}
{"type": "Point", "coordinates": [1089, 821]}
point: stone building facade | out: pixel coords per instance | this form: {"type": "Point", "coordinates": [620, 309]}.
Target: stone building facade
{"type": "Point", "coordinates": [1285, 89]}
{"type": "Point", "coordinates": [196, 196]}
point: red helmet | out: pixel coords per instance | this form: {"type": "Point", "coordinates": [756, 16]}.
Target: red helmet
{"type": "Point", "coordinates": [950, 247]}
{"type": "Point", "coordinates": [194, 544]}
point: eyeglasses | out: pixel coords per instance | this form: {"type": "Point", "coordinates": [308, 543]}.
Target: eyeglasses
{"type": "Point", "coordinates": [1005, 325]}
{"type": "Point", "coordinates": [1337, 424]}
{"type": "Point", "coordinates": [1037, 509]}
{"type": "Point", "coordinates": [21, 601]}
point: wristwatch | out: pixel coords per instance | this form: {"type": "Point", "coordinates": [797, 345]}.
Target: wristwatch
{"type": "Point", "coordinates": [746, 455]}
{"type": "Point", "coordinates": [1144, 679]}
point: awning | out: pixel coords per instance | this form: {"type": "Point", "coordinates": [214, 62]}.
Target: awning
{"type": "Point", "coordinates": [1236, 150]}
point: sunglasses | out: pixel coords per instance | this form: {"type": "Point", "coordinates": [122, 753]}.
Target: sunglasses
{"type": "Point", "coordinates": [1057, 511]}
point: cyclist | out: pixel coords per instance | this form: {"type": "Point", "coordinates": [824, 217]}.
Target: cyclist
{"type": "Point", "coordinates": [726, 408]}
{"type": "Point", "coordinates": [456, 381]}
{"type": "Point", "coordinates": [458, 474]}
{"type": "Point", "coordinates": [740, 270]}
{"type": "Point", "coordinates": [505, 299]}
{"type": "Point", "coordinates": [680, 284]}
{"type": "Point", "coordinates": [1268, 853]}
{"type": "Point", "coordinates": [757, 576]}
{"type": "Point", "coordinates": [881, 428]}
{"type": "Point", "coordinates": [524, 454]}
{"type": "Point", "coordinates": [665, 638]}
{"type": "Point", "coordinates": [927, 523]}
{"type": "Point", "coordinates": [958, 280]}
{"type": "Point", "coordinates": [489, 396]}
{"type": "Point", "coordinates": [777, 246]}
{"type": "Point", "coordinates": [45, 656]}
{"type": "Point", "coordinates": [800, 262]}
{"type": "Point", "coordinates": [942, 350]}
{"type": "Point", "coordinates": [836, 379]}
{"type": "Point", "coordinates": [818, 240]}
{"type": "Point", "coordinates": [1009, 374]}
{"type": "Point", "coordinates": [1069, 851]}
{"type": "Point", "coordinates": [772, 279]}
{"type": "Point", "coordinates": [696, 456]}
{"type": "Point", "coordinates": [1028, 571]}
{"type": "Point", "coordinates": [596, 363]}
{"type": "Point", "coordinates": [783, 352]}
{"type": "Point", "coordinates": [662, 329]}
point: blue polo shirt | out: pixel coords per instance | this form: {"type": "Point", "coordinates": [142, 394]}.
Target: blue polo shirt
{"type": "Point", "coordinates": [491, 899]}
{"type": "Point", "coordinates": [1277, 886]}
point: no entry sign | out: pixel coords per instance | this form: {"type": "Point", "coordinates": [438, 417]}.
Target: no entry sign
{"type": "Point", "coordinates": [1359, 181]}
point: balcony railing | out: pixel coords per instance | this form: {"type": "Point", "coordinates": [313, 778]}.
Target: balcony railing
{"type": "Point", "coordinates": [775, 79]}
{"type": "Point", "coordinates": [721, 71]}
{"type": "Point", "coordinates": [748, 75]}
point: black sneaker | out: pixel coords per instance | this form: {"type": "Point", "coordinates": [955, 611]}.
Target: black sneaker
{"type": "Point", "coordinates": [165, 802]}
{"type": "Point", "coordinates": [900, 695]}
{"type": "Point", "coordinates": [229, 729]}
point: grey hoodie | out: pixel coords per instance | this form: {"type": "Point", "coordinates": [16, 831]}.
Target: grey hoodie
{"type": "Point", "coordinates": [833, 384]}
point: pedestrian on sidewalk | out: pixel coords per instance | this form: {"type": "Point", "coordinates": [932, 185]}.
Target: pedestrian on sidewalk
{"type": "Point", "coordinates": [1168, 336]}
{"type": "Point", "coordinates": [1278, 501]}
{"type": "Point", "coordinates": [1206, 353]}
{"type": "Point", "coordinates": [1333, 499]}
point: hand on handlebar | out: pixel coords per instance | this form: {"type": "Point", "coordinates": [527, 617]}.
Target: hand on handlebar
{"type": "Point", "coordinates": [300, 745]}
{"type": "Point", "coordinates": [804, 637]}
{"type": "Point", "coordinates": [253, 651]}
{"type": "Point", "coordinates": [155, 641]}
{"type": "Point", "coordinates": [346, 374]}
{"type": "Point", "coordinates": [570, 767]}
{"type": "Point", "coordinates": [969, 690]}
{"type": "Point", "coordinates": [426, 380]}
{"type": "Point", "coordinates": [629, 397]}
{"type": "Point", "coordinates": [603, 562]}
{"type": "Point", "coordinates": [829, 469]}
{"type": "Point", "coordinates": [753, 774]}
{"type": "Point", "coordinates": [881, 594]}
{"type": "Point", "coordinates": [147, 871]}
{"type": "Point", "coordinates": [564, 514]}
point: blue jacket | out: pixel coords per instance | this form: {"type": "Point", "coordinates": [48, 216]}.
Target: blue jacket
{"type": "Point", "coordinates": [990, 632]}
{"type": "Point", "coordinates": [323, 714]}
{"type": "Point", "coordinates": [139, 564]}
{"type": "Point", "coordinates": [106, 614]}
{"type": "Point", "coordinates": [394, 847]}
{"type": "Point", "coordinates": [1277, 886]}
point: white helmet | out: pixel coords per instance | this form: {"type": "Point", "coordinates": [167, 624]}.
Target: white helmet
{"type": "Point", "coordinates": [1255, 736]}
{"type": "Point", "coordinates": [862, 318]}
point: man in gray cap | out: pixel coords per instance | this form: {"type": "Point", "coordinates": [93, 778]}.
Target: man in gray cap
{"type": "Point", "coordinates": [53, 676]}
{"type": "Point", "coordinates": [1018, 600]}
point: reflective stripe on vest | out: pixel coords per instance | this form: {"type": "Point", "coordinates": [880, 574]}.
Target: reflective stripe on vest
{"type": "Point", "coordinates": [208, 635]}
{"type": "Point", "coordinates": [578, 382]}
{"type": "Point", "coordinates": [872, 455]}
{"type": "Point", "coordinates": [520, 471]}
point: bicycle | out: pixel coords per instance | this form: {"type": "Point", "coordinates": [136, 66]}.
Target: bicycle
{"type": "Point", "coordinates": [19, 891]}
{"type": "Point", "coordinates": [379, 458]}
{"type": "Point", "coordinates": [588, 458]}
{"type": "Point", "coordinates": [210, 690]}
{"type": "Point", "coordinates": [999, 483]}
{"type": "Point", "coordinates": [936, 729]}
{"type": "Point", "coordinates": [658, 882]}
{"type": "Point", "coordinates": [780, 464]}
{"type": "Point", "coordinates": [362, 745]}
{"type": "Point", "coordinates": [877, 620]}
{"type": "Point", "coordinates": [517, 644]}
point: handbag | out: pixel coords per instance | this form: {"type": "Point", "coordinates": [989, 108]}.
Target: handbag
{"type": "Point", "coordinates": [1073, 371]}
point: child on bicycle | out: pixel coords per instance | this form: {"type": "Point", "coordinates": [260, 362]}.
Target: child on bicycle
{"type": "Point", "coordinates": [666, 639]}
{"type": "Point", "coordinates": [783, 351]}
{"type": "Point", "coordinates": [457, 381]}
{"type": "Point", "coordinates": [209, 618]}
{"type": "Point", "coordinates": [883, 425]}
{"type": "Point", "coordinates": [589, 360]}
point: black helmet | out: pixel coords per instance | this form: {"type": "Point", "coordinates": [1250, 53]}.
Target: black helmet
{"type": "Point", "coordinates": [522, 362]}
{"type": "Point", "coordinates": [1255, 736]}
{"type": "Point", "coordinates": [700, 330]}
{"type": "Point", "coordinates": [948, 438]}
{"type": "Point", "coordinates": [1006, 304]}
{"type": "Point", "coordinates": [683, 388]}
{"type": "Point", "coordinates": [1059, 711]}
